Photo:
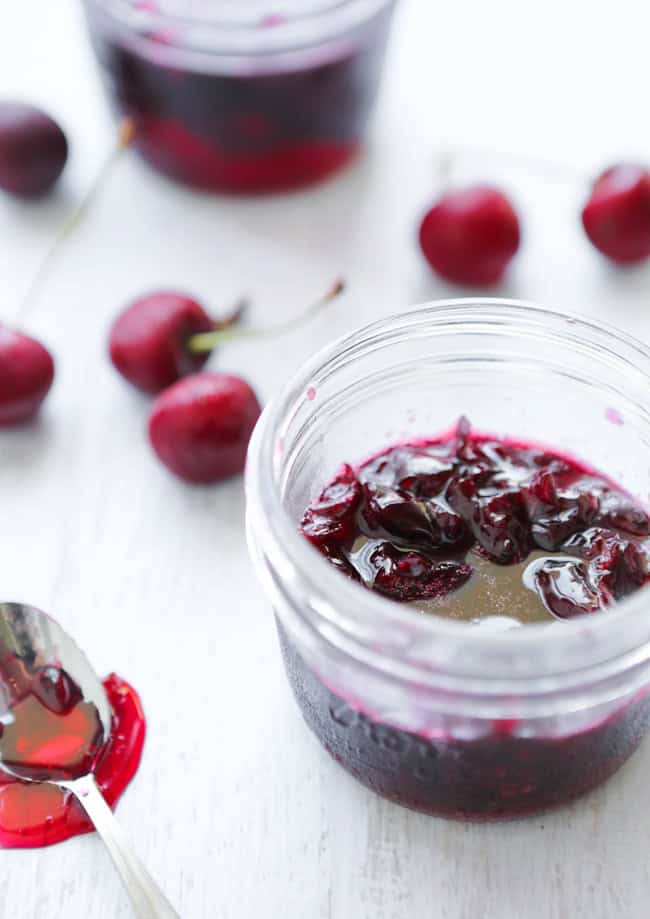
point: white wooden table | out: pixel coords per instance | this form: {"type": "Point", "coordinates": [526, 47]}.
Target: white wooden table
{"type": "Point", "coordinates": [235, 808]}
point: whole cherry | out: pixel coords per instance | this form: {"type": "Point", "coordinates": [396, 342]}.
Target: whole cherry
{"type": "Point", "coordinates": [164, 336]}
{"type": "Point", "coordinates": [148, 342]}
{"type": "Point", "coordinates": [616, 217]}
{"type": "Point", "coordinates": [33, 150]}
{"type": "Point", "coordinates": [200, 427]}
{"type": "Point", "coordinates": [26, 375]}
{"type": "Point", "coordinates": [470, 235]}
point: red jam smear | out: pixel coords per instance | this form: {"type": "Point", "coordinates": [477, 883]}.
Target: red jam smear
{"type": "Point", "coordinates": [414, 522]}
{"type": "Point", "coordinates": [40, 815]}
{"type": "Point", "coordinates": [262, 131]}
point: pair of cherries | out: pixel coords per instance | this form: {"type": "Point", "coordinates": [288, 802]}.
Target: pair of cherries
{"type": "Point", "coordinates": [471, 234]}
{"type": "Point", "coordinates": [200, 423]}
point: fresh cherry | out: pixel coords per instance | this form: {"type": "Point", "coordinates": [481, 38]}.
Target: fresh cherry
{"type": "Point", "coordinates": [200, 426]}
{"type": "Point", "coordinates": [470, 235]}
{"type": "Point", "coordinates": [26, 374]}
{"type": "Point", "coordinates": [616, 217]}
{"type": "Point", "coordinates": [149, 341]}
{"type": "Point", "coordinates": [33, 150]}
{"type": "Point", "coordinates": [164, 336]}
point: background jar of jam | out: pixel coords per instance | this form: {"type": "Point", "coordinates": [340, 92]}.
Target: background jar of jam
{"type": "Point", "coordinates": [243, 96]}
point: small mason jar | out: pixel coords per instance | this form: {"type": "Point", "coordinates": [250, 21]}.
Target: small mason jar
{"type": "Point", "coordinates": [243, 96]}
{"type": "Point", "coordinates": [436, 714]}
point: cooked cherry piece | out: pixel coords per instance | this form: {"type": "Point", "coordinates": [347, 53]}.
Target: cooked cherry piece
{"type": "Point", "coordinates": [413, 576]}
{"type": "Point", "coordinates": [26, 375]}
{"type": "Point", "coordinates": [616, 217]}
{"type": "Point", "coordinates": [33, 150]}
{"type": "Point", "coordinates": [331, 516]}
{"type": "Point", "coordinates": [531, 534]}
{"type": "Point", "coordinates": [200, 427]}
{"type": "Point", "coordinates": [148, 341]}
{"type": "Point", "coordinates": [470, 235]}
{"type": "Point", "coordinates": [566, 589]}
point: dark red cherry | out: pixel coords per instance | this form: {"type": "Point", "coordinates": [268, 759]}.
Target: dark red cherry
{"type": "Point", "coordinates": [617, 512]}
{"type": "Point", "coordinates": [499, 523]}
{"type": "Point", "coordinates": [331, 515]}
{"type": "Point", "coordinates": [148, 341]}
{"type": "Point", "coordinates": [616, 217]}
{"type": "Point", "coordinates": [200, 427]}
{"type": "Point", "coordinates": [33, 150]}
{"type": "Point", "coordinates": [26, 375]}
{"type": "Point", "coordinates": [412, 576]}
{"type": "Point", "coordinates": [470, 235]}
{"type": "Point", "coordinates": [624, 568]}
{"type": "Point", "coordinates": [165, 336]}
{"type": "Point", "coordinates": [565, 588]}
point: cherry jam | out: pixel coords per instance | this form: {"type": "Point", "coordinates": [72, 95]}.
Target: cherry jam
{"type": "Point", "coordinates": [472, 527]}
{"type": "Point", "coordinates": [55, 731]}
{"type": "Point", "coordinates": [498, 533]}
{"type": "Point", "coordinates": [264, 125]}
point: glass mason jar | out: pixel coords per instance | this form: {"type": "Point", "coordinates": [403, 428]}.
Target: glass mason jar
{"type": "Point", "coordinates": [226, 96]}
{"type": "Point", "coordinates": [432, 713]}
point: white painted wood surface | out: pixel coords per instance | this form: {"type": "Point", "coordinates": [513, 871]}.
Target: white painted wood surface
{"type": "Point", "coordinates": [235, 808]}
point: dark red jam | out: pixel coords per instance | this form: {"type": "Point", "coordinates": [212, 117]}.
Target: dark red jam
{"type": "Point", "coordinates": [64, 738]}
{"type": "Point", "coordinates": [499, 533]}
{"type": "Point", "coordinates": [257, 128]}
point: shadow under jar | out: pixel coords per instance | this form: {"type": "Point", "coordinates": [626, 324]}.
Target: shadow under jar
{"type": "Point", "coordinates": [243, 95]}
{"type": "Point", "coordinates": [440, 715]}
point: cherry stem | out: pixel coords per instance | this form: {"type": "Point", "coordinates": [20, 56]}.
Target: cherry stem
{"type": "Point", "coordinates": [206, 341]}
{"type": "Point", "coordinates": [448, 159]}
{"type": "Point", "coordinates": [234, 317]}
{"type": "Point", "coordinates": [126, 132]}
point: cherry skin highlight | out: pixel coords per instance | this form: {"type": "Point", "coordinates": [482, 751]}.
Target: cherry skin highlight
{"type": "Point", "coordinates": [616, 217]}
{"type": "Point", "coordinates": [148, 341]}
{"type": "Point", "coordinates": [470, 235]}
{"type": "Point", "coordinates": [26, 375]}
{"type": "Point", "coordinates": [33, 150]}
{"type": "Point", "coordinates": [200, 427]}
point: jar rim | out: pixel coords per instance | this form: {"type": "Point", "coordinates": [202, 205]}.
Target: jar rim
{"type": "Point", "coordinates": [236, 36]}
{"type": "Point", "coordinates": [609, 643]}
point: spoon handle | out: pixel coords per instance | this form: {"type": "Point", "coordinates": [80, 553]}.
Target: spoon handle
{"type": "Point", "coordinates": [148, 900]}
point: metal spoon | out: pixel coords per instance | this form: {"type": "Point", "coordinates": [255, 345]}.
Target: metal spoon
{"type": "Point", "coordinates": [30, 641]}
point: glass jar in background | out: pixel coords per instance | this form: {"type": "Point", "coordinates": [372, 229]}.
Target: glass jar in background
{"type": "Point", "coordinates": [243, 95]}
{"type": "Point", "coordinates": [432, 713]}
